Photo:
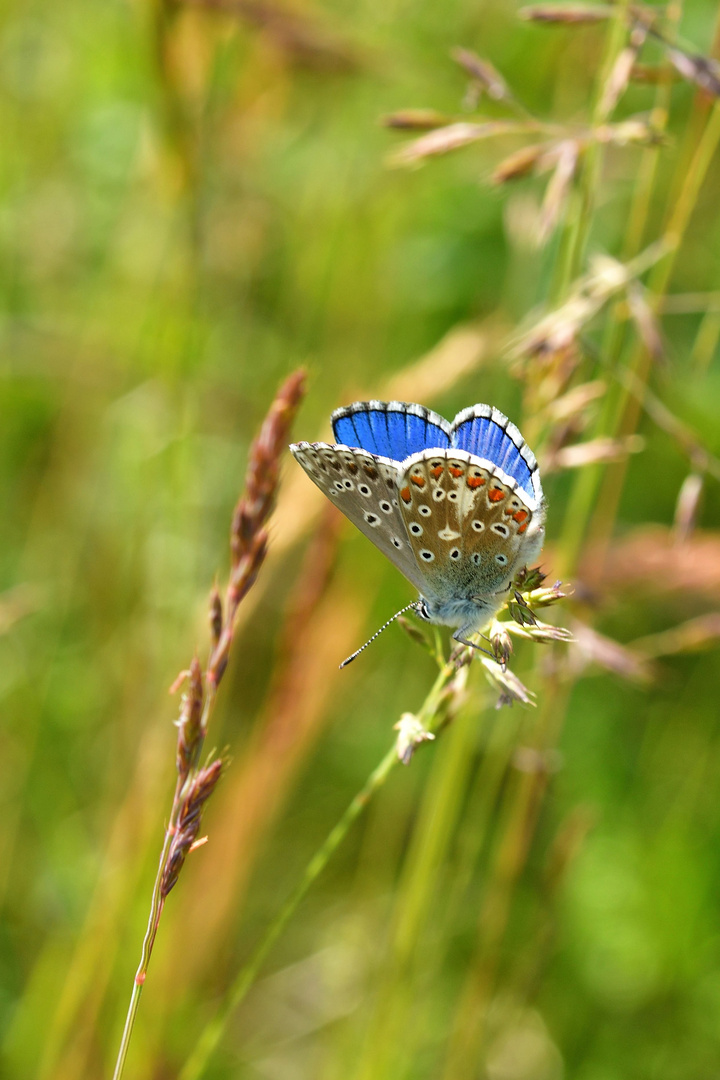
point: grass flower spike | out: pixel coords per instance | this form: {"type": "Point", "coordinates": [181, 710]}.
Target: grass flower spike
{"type": "Point", "coordinates": [195, 784]}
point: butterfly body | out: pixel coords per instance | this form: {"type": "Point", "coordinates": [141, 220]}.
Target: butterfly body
{"type": "Point", "coordinates": [457, 507]}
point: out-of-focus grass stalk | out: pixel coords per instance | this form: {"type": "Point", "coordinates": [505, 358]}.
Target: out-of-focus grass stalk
{"type": "Point", "coordinates": [621, 414]}
{"type": "Point", "coordinates": [706, 341]}
{"type": "Point", "coordinates": [641, 198]}
{"type": "Point", "coordinates": [577, 228]}
{"type": "Point", "coordinates": [579, 216]}
{"type": "Point", "coordinates": [587, 483]}
{"type": "Point", "coordinates": [503, 728]}
{"type": "Point", "coordinates": [517, 818]}
{"type": "Point", "coordinates": [212, 1033]}
{"type": "Point", "coordinates": [584, 489]}
{"type": "Point", "coordinates": [639, 363]}
{"type": "Point", "coordinates": [432, 715]}
{"type": "Point", "coordinates": [438, 817]}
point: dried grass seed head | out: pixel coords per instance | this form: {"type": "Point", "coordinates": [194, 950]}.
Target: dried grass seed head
{"type": "Point", "coordinates": [188, 822]}
{"type": "Point", "coordinates": [189, 722]}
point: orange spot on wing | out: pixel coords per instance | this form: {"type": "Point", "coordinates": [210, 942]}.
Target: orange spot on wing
{"type": "Point", "coordinates": [496, 494]}
{"type": "Point", "coordinates": [418, 480]}
{"type": "Point", "coordinates": [437, 471]}
{"type": "Point", "coordinates": [520, 516]}
{"type": "Point", "coordinates": [523, 528]}
{"type": "Point", "coordinates": [454, 471]}
{"type": "Point", "coordinates": [405, 495]}
{"type": "Point", "coordinates": [475, 481]}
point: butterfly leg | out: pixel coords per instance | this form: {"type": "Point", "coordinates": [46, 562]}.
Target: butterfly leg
{"type": "Point", "coordinates": [458, 636]}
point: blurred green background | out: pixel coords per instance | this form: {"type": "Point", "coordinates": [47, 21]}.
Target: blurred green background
{"type": "Point", "coordinates": [195, 200]}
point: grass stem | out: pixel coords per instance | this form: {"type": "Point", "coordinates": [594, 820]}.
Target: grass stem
{"type": "Point", "coordinates": [156, 906]}
{"type": "Point", "coordinates": [430, 715]}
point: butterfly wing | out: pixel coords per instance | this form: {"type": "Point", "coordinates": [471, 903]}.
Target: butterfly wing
{"type": "Point", "coordinates": [458, 508]}
{"type": "Point", "coordinates": [470, 525]}
{"type": "Point", "coordinates": [391, 429]}
{"type": "Point", "coordinates": [364, 487]}
{"type": "Point", "coordinates": [487, 433]}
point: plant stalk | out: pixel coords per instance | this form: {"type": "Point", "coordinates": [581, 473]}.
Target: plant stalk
{"type": "Point", "coordinates": [157, 903]}
{"type": "Point", "coordinates": [211, 1035]}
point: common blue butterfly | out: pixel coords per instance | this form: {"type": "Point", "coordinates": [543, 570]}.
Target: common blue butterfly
{"type": "Point", "coordinates": [457, 507]}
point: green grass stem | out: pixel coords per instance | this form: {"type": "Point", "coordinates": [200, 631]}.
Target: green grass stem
{"type": "Point", "coordinates": [209, 1040]}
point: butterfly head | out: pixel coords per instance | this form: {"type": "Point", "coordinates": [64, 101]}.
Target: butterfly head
{"type": "Point", "coordinates": [469, 613]}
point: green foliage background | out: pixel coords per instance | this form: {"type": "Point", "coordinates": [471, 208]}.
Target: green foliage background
{"type": "Point", "coordinates": [192, 206]}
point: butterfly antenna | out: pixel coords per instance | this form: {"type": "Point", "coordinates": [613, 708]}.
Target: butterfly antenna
{"type": "Point", "coordinates": [409, 607]}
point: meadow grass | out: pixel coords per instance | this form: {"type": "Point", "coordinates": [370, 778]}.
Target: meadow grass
{"type": "Point", "coordinates": [203, 200]}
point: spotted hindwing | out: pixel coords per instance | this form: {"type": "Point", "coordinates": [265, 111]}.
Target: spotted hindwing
{"type": "Point", "coordinates": [364, 487]}
{"type": "Point", "coordinates": [468, 528]}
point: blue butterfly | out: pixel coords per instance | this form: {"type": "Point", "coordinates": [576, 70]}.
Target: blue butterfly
{"type": "Point", "coordinates": [458, 508]}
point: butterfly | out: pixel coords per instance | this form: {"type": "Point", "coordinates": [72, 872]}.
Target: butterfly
{"type": "Point", "coordinates": [457, 507]}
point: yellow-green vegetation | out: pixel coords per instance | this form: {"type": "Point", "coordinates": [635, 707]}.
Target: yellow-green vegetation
{"type": "Point", "coordinates": [447, 203]}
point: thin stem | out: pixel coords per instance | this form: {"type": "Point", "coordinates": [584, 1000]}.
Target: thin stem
{"type": "Point", "coordinates": [706, 340]}
{"type": "Point", "coordinates": [210, 1037]}
{"type": "Point", "coordinates": [438, 815]}
{"type": "Point", "coordinates": [584, 493]}
{"type": "Point", "coordinates": [640, 206]}
{"type": "Point", "coordinates": [156, 907]}
{"type": "Point", "coordinates": [569, 264]}
{"type": "Point", "coordinates": [213, 1032]}
{"type": "Point", "coordinates": [518, 815]}
{"type": "Point", "coordinates": [684, 205]}
{"type": "Point", "coordinates": [629, 406]}
{"type": "Point", "coordinates": [574, 240]}
{"type": "Point", "coordinates": [157, 901]}
{"type": "Point", "coordinates": [647, 173]}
